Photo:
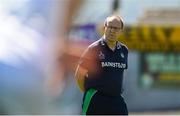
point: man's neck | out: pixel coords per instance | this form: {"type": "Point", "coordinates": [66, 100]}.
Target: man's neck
{"type": "Point", "coordinates": [111, 44]}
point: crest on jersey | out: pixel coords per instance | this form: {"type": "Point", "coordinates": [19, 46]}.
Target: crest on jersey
{"type": "Point", "coordinates": [118, 45]}
{"type": "Point", "coordinates": [122, 55]}
{"type": "Point", "coordinates": [101, 55]}
{"type": "Point", "coordinates": [102, 43]}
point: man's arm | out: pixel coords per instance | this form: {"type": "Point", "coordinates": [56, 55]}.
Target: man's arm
{"type": "Point", "coordinates": [80, 77]}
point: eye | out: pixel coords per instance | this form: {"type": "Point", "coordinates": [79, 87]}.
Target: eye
{"type": "Point", "coordinates": [115, 28]}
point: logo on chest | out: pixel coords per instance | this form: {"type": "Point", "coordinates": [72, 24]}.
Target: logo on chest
{"type": "Point", "coordinates": [101, 55]}
{"type": "Point", "coordinates": [122, 55]}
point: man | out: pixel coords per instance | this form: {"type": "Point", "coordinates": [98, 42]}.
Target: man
{"type": "Point", "coordinates": [100, 72]}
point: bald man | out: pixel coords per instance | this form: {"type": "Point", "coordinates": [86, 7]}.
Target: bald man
{"type": "Point", "coordinates": [100, 72]}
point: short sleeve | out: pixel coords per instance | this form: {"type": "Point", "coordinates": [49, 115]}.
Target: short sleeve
{"type": "Point", "coordinates": [86, 58]}
{"type": "Point", "coordinates": [126, 54]}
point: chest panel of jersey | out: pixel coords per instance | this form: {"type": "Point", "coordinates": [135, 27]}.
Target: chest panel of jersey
{"type": "Point", "coordinates": [110, 67]}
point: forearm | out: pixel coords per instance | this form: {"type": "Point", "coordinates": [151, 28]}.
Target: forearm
{"type": "Point", "coordinates": [80, 77]}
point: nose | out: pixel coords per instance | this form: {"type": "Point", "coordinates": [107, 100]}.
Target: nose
{"type": "Point", "coordinates": [112, 30]}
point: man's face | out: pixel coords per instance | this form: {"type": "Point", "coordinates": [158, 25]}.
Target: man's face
{"type": "Point", "coordinates": [113, 28]}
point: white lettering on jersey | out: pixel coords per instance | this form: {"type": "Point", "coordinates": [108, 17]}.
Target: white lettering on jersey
{"type": "Point", "coordinates": [113, 64]}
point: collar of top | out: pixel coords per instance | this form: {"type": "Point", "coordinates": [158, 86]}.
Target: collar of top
{"type": "Point", "coordinates": [103, 42]}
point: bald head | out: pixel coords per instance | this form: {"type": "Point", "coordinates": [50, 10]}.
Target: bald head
{"type": "Point", "coordinates": [115, 21]}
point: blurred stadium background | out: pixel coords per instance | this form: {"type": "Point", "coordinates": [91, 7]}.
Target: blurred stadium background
{"type": "Point", "coordinates": [152, 34]}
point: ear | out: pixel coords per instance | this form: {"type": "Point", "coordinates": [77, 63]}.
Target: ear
{"type": "Point", "coordinates": [100, 29]}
